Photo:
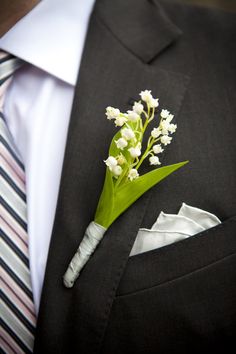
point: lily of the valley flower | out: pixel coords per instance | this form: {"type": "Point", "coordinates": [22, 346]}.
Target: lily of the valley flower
{"type": "Point", "coordinates": [120, 121]}
{"type": "Point", "coordinates": [138, 108]}
{"type": "Point", "coordinates": [133, 174]}
{"type": "Point", "coordinates": [172, 128]}
{"type": "Point", "coordinates": [165, 139]}
{"type": "Point", "coordinates": [166, 127]}
{"type": "Point", "coordinates": [121, 143]}
{"type": "Point", "coordinates": [112, 113]}
{"type": "Point", "coordinates": [157, 149]}
{"type": "Point", "coordinates": [164, 113]}
{"type": "Point", "coordinates": [149, 99]}
{"type": "Point", "coordinates": [133, 129]}
{"type": "Point", "coordinates": [154, 160]}
{"type": "Point", "coordinates": [123, 185]}
{"type": "Point", "coordinates": [113, 165]}
{"type": "Point", "coordinates": [132, 116]}
{"type": "Point", "coordinates": [146, 95]}
{"type": "Point", "coordinates": [111, 162]}
{"type": "Point", "coordinates": [127, 133]}
{"type": "Point", "coordinates": [156, 132]}
{"type": "Point", "coordinates": [117, 170]}
{"type": "Point", "coordinates": [154, 103]}
{"type": "Point", "coordinates": [135, 151]}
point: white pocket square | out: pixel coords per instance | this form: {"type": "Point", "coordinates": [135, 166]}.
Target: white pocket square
{"type": "Point", "coordinates": [170, 228]}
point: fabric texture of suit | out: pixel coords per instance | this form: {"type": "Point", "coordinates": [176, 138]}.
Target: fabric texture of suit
{"type": "Point", "coordinates": [180, 298]}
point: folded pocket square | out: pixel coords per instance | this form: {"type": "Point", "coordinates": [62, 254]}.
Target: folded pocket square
{"type": "Point", "coordinates": [170, 228]}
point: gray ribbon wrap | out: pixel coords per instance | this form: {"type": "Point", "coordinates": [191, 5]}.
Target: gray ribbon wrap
{"type": "Point", "coordinates": [93, 235]}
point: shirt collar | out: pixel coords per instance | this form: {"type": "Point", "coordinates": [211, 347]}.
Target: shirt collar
{"type": "Point", "coordinates": [51, 37]}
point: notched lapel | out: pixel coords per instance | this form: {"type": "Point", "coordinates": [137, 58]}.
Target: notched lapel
{"type": "Point", "coordinates": [142, 26]}
{"type": "Point", "coordinates": [110, 74]}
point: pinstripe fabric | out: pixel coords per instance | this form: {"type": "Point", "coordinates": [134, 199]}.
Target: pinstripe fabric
{"type": "Point", "coordinates": [18, 318]}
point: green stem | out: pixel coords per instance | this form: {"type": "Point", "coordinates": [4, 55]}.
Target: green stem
{"type": "Point", "coordinates": [145, 113]}
{"type": "Point", "coordinates": [122, 177]}
{"type": "Point", "coordinates": [152, 115]}
{"type": "Point", "coordinates": [119, 180]}
{"type": "Point", "coordinates": [145, 126]}
{"type": "Point", "coordinates": [142, 159]}
{"type": "Point", "coordinates": [151, 142]}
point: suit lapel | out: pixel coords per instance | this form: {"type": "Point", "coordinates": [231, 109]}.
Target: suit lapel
{"type": "Point", "coordinates": [113, 70]}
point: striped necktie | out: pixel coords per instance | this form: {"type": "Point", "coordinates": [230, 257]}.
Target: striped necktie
{"type": "Point", "coordinates": [18, 318]}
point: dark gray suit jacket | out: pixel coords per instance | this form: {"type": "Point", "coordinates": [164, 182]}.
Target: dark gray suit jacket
{"type": "Point", "coordinates": [180, 298]}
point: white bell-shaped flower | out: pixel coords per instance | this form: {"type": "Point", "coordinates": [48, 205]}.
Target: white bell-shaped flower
{"type": "Point", "coordinates": [135, 151]}
{"type": "Point", "coordinates": [120, 121]}
{"type": "Point", "coordinates": [121, 143]}
{"type": "Point", "coordinates": [133, 174]}
{"type": "Point", "coordinates": [112, 113]}
{"type": "Point", "coordinates": [117, 170]}
{"type": "Point", "coordinates": [146, 96]}
{"type": "Point", "coordinates": [157, 149]}
{"type": "Point", "coordinates": [138, 108]}
{"type": "Point", "coordinates": [156, 132]}
{"type": "Point", "coordinates": [154, 103]}
{"type": "Point", "coordinates": [132, 116]}
{"type": "Point", "coordinates": [127, 133]}
{"type": "Point", "coordinates": [111, 162]}
{"type": "Point", "coordinates": [165, 139]}
{"type": "Point", "coordinates": [154, 160]}
{"type": "Point", "coordinates": [165, 113]}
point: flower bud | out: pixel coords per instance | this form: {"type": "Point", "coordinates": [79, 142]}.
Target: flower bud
{"type": "Point", "coordinates": [117, 170]}
{"type": "Point", "coordinates": [121, 159]}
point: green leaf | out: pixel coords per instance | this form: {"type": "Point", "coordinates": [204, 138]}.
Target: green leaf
{"type": "Point", "coordinates": [114, 203]}
{"type": "Point", "coordinates": [113, 150]}
{"type": "Point", "coordinates": [106, 201]}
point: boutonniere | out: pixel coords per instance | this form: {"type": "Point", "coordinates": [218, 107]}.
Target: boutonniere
{"type": "Point", "coordinates": [124, 183]}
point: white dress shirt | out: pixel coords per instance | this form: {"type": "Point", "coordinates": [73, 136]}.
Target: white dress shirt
{"type": "Point", "coordinates": [37, 109]}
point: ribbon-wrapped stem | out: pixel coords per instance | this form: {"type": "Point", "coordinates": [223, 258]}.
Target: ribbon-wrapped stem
{"type": "Point", "coordinates": [92, 237]}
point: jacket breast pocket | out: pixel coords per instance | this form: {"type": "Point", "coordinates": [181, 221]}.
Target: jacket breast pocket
{"type": "Point", "coordinates": [178, 299]}
{"type": "Point", "coordinates": [161, 265]}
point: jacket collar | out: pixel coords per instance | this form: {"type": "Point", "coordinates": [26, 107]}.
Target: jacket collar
{"type": "Point", "coordinates": [63, 29]}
